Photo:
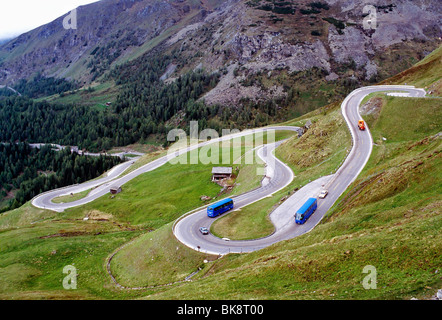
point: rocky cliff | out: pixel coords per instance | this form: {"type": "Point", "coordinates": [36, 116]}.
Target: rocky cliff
{"type": "Point", "coordinates": [242, 38]}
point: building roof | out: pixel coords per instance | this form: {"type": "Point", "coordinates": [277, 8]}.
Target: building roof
{"type": "Point", "coordinates": [222, 170]}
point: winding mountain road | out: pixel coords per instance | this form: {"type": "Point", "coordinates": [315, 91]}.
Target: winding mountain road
{"type": "Point", "coordinates": [279, 175]}
{"type": "Point", "coordinates": [187, 231]}
{"type": "Point", "coordinates": [100, 187]}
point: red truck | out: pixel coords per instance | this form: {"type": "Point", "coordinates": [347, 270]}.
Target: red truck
{"type": "Point", "coordinates": [361, 125]}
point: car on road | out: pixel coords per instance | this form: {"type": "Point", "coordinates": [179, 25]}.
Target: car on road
{"type": "Point", "coordinates": [204, 230]}
{"type": "Point", "coordinates": [323, 194]}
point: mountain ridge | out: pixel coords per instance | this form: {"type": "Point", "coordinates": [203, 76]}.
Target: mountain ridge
{"type": "Point", "coordinates": [259, 35]}
{"type": "Point", "coordinates": [100, 24]}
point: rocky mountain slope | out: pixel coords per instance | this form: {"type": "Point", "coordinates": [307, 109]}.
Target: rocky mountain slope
{"type": "Point", "coordinates": [257, 44]}
{"type": "Point", "coordinates": [106, 31]}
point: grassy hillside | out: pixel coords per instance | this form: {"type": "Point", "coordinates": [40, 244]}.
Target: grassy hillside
{"type": "Point", "coordinates": [389, 218]}
{"type": "Point", "coordinates": [425, 74]}
{"type": "Point", "coordinates": [96, 95]}
{"type": "Point", "coordinates": [154, 259]}
{"type": "Point", "coordinates": [39, 243]}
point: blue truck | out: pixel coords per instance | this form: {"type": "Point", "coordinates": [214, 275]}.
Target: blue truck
{"type": "Point", "coordinates": [306, 211]}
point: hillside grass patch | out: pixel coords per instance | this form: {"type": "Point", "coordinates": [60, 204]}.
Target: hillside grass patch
{"type": "Point", "coordinates": [156, 258]}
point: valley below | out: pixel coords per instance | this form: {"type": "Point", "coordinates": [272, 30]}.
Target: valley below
{"type": "Point", "coordinates": [147, 99]}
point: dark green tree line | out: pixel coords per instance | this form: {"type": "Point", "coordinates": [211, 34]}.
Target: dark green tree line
{"type": "Point", "coordinates": [32, 171]}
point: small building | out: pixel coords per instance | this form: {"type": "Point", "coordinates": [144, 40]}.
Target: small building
{"type": "Point", "coordinates": [115, 189]}
{"type": "Point", "coordinates": [219, 173]}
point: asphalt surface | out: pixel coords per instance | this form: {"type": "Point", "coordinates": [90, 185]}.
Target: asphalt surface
{"type": "Point", "coordinates": [99, 188]}
{"type": "Point", "coordinates": [278, 176]}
